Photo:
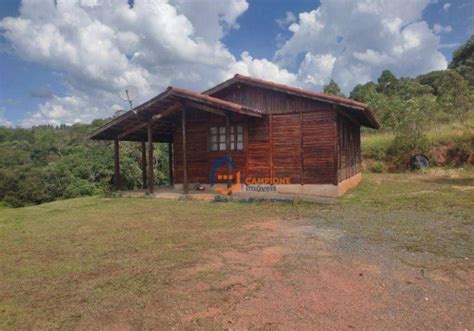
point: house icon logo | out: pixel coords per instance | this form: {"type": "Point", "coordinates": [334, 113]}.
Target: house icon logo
{"type": "Point", "coordinates": [217, 178]}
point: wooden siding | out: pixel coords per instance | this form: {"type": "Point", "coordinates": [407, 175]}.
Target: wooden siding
{"type": "Point", "coordinates": [299, 140]}
{"type": "Point", "coordinates": [200, 158]}
{"type": "Point", "coordinates": [319, 147]}
{"type": "Point", "coordinates": [258, 148]}
{"type": "Point", "coordinates": [348, 153]}
{"type": "Point", "coordinates": [268, 101]}
{"type": "Point", "coordinates": [286, 147]}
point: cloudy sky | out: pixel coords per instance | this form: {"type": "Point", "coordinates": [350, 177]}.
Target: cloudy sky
{"type": "Point", "coordinates": [64, 61]}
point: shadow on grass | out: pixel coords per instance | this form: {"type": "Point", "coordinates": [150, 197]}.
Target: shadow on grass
{"type": "Point", "coordinates": [451, 181]}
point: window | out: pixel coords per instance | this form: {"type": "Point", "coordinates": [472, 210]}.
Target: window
{"type": "Point", "coordinates": [218, 136]}
{"type": "Point", "coordinates": [222, 138]}
{"type": "Point", "coordinates": [214, 139]}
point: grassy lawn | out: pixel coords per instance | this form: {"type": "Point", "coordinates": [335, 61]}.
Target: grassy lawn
{"type": "Point", "coordinates": [70, 264]}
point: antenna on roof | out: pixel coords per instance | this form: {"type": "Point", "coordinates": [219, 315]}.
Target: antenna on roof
{"type": "Point", "coordinates": [129, 93]}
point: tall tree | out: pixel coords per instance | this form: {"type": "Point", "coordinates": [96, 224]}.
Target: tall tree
{"type": "Point", "coordinates": [463, 60]}
{"type": "Point", "coordinates": [333, 89]}
{"type": "Point", "coordinates": [387, 83]}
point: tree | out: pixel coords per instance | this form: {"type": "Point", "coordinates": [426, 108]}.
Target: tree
{"type": "Point", "coordinates": [463, 61]}
{"type": "Point", "coordinates": [455, 96]}
{"type": "Point", "coordinates": [408, 88]}
{"type": "Point", "coordinates": [387, 83]}
{"type": "Point", "coordinates": [333, 89]}
{"type": "Point", "coordinates": [364, 93]}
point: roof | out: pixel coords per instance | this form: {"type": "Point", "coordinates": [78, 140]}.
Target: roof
{"type": "Point", "coordinates": [132, 124]}
{"type": "Point", "coordinates": [341, 101]}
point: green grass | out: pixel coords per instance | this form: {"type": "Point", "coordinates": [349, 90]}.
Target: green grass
{"type": "Point", "coordinates": [97, 258]}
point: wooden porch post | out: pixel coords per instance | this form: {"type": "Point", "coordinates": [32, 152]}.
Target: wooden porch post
{"type": "Point", "coordinates": [151, 176]}
{"type": "Point", "coordinates": [227, 148]}
{"type": "Point", "coordinates": [185, 161]}
{"type": "Point", "coordinates": [144, 164]}
{"type": "Point", "coordinates": [170, 162]}
{"type": "Point", "coordinates": [117, 182]}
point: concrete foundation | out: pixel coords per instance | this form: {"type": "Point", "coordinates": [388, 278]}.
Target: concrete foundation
{"type": "Point", "coordinates": [272, 191]}
{"type": "Point", "coordinates": [322, 193]}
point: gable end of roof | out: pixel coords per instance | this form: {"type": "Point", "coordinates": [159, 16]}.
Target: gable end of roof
{"type": "Point", "coordinates": [341, 101]}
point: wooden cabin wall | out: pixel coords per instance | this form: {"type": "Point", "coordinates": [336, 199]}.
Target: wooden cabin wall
{"type": "Point", "coordinates": [200, 158]}
{"type": "Point", "coordinates": [348, 153]}
{"type": "Point", "coordinates": [319, 147]}
{"type": "Point", "coordinates": [303, 133]}
{"type": "Point", "coordinates": [301, 139]}
{"type": "Point", "coordinates": [258, 148]}
{"type": "Point", "coordinates": [300, 146]}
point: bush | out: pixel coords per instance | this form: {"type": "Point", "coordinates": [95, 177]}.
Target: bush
{"type": "Point", "coordinates": [221, 198]}
{"type": "Point", "coordinates": [403, 147]}
{"type": "Point", "coordinates": [460, 153]}
{"type": "Point", "coordinates": [79, 187]}
{"type": "Point", "coordinates": [377, 167]}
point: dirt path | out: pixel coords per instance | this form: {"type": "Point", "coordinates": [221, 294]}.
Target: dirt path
{"type": "Point", "coordinates": [292, 275]}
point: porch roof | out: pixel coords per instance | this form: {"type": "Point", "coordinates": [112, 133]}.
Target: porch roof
{"type": "Point", "coordinates": [132, 125]}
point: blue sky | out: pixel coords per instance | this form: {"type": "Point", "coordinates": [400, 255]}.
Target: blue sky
{"type": "Point", "coordinates": [55, 69]}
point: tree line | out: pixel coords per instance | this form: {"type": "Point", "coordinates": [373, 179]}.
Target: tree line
{"type": "Point", "coordinates": [47, 163]}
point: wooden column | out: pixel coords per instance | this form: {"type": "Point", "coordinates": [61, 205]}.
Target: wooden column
{"type": "Point", "coordinates": [227, 149]}
{"type": "Point", "coordinates": [302, 147]}
{"type": "Point", "coordinates": [185, 161]}
{"type": "Point", "coordinates": [117, 182]}
{"type": "Point", "coordinates": [270, 135]}
{"type": "Point", "coordinates": [170, 162]}
{"type": "Point", "coordinates": [144, 164]}
{"type": "Point", "coordinates": [151, 176]}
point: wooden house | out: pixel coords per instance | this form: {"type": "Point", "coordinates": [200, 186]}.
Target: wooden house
{"type": "Point", "coordinates": [249, 135]}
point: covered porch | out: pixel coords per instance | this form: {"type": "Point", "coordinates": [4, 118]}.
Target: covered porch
{"type": "Point", "coordinates": [157, 121]}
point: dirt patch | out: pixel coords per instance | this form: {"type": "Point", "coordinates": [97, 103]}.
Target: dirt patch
{"type": "Point", "coordinates": [290, 275]}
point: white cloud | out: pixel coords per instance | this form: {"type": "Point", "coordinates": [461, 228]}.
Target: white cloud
{"type": "Point", "coordinates": [289, 18]}
{"type": "Point", "coordinates": [65, 110]}
{"type": "Point", "coordinates": [262, 68]}
{"type": "Point", "coordinates": [376, 35]}
{"type": "Point", "coordinates": [97, 47]}
{"type": "Point", "coordinates": [446, 6]}
{"type": "Point", "coordinates": [3, 119]}
{"type": "Point", "coordinates": [211, 19]}
{"type": "Point", "coordinates": [316, 69]}
{"type": "Point", "coordinates": [438, 28]}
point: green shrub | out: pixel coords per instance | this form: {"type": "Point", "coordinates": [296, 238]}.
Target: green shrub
{"type": "Point", "coordinates": [221, 198]}
{"type": "Point", "coordinates": [377, 167]}
{"type": "Point", "coordinates": [79, 187]}
{"type": "Point", "coordinates": [403, 147]}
